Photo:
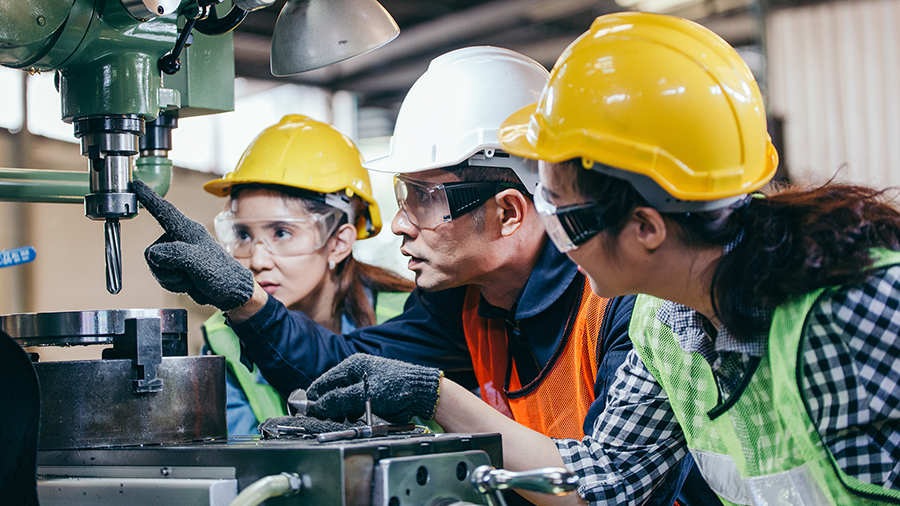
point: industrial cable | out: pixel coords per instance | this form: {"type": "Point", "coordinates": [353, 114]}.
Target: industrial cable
{"type": "Point", "coordinates": [214, 25]}
{"type": "Point", "coordinates": [275, 485]}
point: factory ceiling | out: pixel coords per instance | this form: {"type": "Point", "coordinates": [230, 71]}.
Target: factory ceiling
{"type": "Point", "coordinates": [540, 29]}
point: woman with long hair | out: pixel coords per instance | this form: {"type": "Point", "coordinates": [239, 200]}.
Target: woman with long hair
{"type": "Point", "coordinates": [767, 338]}
{"type": "Point", "coordinates": [297, 201]}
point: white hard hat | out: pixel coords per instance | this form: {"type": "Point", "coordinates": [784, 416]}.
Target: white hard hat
{"type": "Point", "coordinates": [453, 111]}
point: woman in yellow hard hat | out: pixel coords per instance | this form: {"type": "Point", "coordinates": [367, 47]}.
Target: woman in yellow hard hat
{"type": "Point", "coordinates": [298, 200]}
{"type": "Point", "coordinates": [768, 342]}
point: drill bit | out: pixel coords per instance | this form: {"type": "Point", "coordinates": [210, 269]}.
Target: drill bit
{"type": "Point", "coordinates": [364, 432]}
{"type": "Point", "coordinates": [289, 429]}
{"type": "Point", "coordinates": [113, 256]}
{"type": "Point", "coordinates": [368, 399]}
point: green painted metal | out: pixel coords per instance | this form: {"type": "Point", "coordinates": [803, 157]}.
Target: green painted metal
{"type": "Point", "coordinates": [70, 187]}
{"type": "Point", "coordinates": [96, 81]}
{"type": "Point", "coordinates": [27, 29]}
{"type": "Point", "coordinates": [156, 171]}
{"type": "Point", "coordinates": [206, 79]}
{"type": "Point", "coordinates": [114, 84]}
{"type": "Point", "coordinates": [107, 63]}
{"type": "Point", "coordinates": [106, 59]}
{"type": "Point", "coordinates": [73, 33]}
{"type": "Point", "coordinates": [37, 185]}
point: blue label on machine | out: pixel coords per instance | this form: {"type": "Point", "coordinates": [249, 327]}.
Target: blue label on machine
{"type": "Point", "coordinates": [16, 256]}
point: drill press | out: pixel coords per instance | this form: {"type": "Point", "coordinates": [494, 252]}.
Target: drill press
{"type": "Point", "coordinates": [121, 64]}
{"type": "Point", "coordinates": [108, 57]}
{"type": "Point", "coordinates": [145, 424]}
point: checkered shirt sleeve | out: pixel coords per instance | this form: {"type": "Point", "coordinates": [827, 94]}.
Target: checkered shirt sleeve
{"type": "Point", "coordinates": [633, 444]}
{"type": "Point", "coordinates": [851, 374]}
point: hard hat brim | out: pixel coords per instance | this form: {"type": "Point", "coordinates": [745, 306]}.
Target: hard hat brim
{"type": "Point", "coordinates": [513, 133]}
{"type": "Point", "coordinates": [219, 187]}
{"type": "Point", "coordinates": [391, 165]}
{"type": "Point", "coordinates": [513, 137]}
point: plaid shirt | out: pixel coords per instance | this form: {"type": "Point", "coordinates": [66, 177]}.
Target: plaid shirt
{"type": "Point", "coordinates": [851, 376]}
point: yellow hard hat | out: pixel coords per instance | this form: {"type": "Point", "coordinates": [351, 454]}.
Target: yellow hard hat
{"type": "Point", "coordinates": [303, 153]}
{"type": "Point", "coordinates": [655, 96]}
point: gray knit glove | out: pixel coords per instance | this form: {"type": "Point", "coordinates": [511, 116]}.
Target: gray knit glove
{"type": "Point", "coordinates": [311, 425]}
{"type": "Point", "coordinates": [186, 259]}
{"type": "Point", "coordinates": [398, 390]}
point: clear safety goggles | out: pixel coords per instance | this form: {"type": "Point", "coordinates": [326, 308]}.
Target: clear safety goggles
{"type": "Point", "coordinates": [569, 226]}
{"type": "Point", "coordinates": [282, 236]}
{"type": "Point", "coordinates": [429, 204]}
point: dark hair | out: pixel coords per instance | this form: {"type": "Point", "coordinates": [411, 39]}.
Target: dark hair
{"type": "Point", "coordinates": [353, 277]}
{"type": "Point", "coordinates": [796, 240]}
{"type": "Point", "coordinates": [474, 173]}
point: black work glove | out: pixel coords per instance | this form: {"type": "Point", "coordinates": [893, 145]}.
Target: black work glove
{"type": "Point", "coordinates": [186, 259]}
{"type": "Point", "coordinates": [399, 391]}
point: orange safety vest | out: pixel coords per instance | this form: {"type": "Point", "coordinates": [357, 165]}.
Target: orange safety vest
{"type": "Point", "coordinates": [557, 401]}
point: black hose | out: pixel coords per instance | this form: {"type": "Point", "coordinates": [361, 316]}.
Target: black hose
{"type": "Point", "coordinates": [214, 25]}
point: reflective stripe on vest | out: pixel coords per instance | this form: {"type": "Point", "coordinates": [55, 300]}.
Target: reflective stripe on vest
{"type": "Point", "coordinates": [764, 450]}
{"type": "Point", "coordinates": [556, 403]}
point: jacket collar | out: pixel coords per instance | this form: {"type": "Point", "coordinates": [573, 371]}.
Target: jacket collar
{"type": "Point", "coordinates": [552, 274]}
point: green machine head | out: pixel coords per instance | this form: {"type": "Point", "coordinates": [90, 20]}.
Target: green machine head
{"type": "Point", "coordinates": [106, 56]}
{"type": "Point", "coordinates": [126, 70]}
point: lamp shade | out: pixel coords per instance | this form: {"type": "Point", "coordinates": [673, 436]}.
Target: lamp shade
{"type": "Point", "coordinates": [310, 34]}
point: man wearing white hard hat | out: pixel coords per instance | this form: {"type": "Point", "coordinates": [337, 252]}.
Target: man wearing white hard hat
{"type": "Point", "coordinates": [497, 307]}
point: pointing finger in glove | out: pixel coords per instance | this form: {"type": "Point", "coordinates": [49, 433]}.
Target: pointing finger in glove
{"type": "Point", "coordinates": [186, 259]}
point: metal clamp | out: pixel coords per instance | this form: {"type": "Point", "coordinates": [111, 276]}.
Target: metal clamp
{"type": "Point", "coordinates": [142, 343]}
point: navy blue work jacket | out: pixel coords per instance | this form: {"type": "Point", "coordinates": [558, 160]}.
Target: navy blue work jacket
{"type": "Point", "coordinates": [292, 350]}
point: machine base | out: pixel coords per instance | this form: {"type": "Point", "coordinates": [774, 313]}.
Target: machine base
{"type": "Point", "coordinates": [388, 471]}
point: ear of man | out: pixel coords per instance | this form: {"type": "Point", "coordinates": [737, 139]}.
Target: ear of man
{"type": "Point", "coordinates": [513, 210]}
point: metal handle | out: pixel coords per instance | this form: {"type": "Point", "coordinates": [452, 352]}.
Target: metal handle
{"type": "Point", "coordinates": [550, 480]}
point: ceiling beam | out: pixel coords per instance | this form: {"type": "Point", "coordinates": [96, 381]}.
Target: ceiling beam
{"type": "Point", "coordinates": [540, 29]}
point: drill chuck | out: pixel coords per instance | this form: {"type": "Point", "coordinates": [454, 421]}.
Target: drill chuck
{"type": "Point", "coordinates": [110, 143]}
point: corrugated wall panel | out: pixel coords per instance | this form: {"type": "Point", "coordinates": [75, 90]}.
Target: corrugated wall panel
{"type": "Point", "coordinates": [834, 76]}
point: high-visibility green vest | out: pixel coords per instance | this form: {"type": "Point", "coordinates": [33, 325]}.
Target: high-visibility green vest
{"type": "Point", "coordinates": [764, 450]}
{"type": "Point", "coordinates": [389, 305]}
{"type": "Point", "coordinates": [264, 400]}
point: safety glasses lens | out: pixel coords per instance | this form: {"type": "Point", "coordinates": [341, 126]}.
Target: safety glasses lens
{"type": "Point", "coordinates": [424, 203]}
{"type": "Point", "coordinates": [581, 223]}
{"type": "Point", "coordinates": [547, 212]}
{"type": "Point", "coordinates": [570, 226]}
{"type": "Point", "coordinates": [280, 236]}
